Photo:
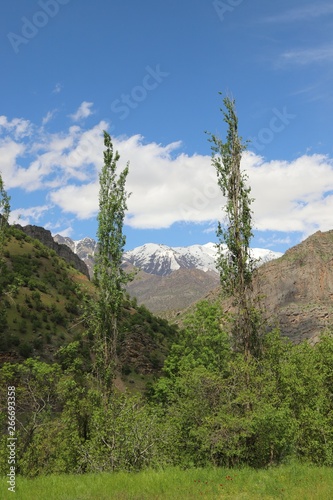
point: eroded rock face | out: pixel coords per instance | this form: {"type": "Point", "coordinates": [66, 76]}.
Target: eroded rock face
{"type": "Point", "coordinates": [297, 288]}
{"type": "Point", "coordinates": [45, 237]}
{"type": "Point", "coordinates": [86, 249]}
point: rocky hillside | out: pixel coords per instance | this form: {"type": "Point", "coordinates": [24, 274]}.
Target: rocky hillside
{"type": "Point", "coordinates": [63, 250]}
{"type": "Point", "coordinates": [167, 295]}
{"type": "Point", "coordinates": [297, 288]}
{"type": "Point", "coordinates": [85, 249]}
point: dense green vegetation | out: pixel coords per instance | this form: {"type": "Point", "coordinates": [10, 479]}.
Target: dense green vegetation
{"type": "Point", "coordinates": [201, 412]}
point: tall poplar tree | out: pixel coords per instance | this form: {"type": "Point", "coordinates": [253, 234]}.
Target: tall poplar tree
{"type": "Point", "coordinates": [4, 214]}
{"type": "Point", "coordinates": [236, 266]}
{"type": "Point", "coordinates": [108, 273]}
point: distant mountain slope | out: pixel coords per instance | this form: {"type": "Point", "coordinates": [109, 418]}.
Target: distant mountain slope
{"type": "Point", "coordinates": [163, 260]}
{"type": "Point", "coordinates": [297, 289]}
{"type": "Point", "coordinates": [170, 278]}
{"type": "Point", "coordinates": [85, 249]}
{"type": "Point", "coordinates": [167, 295]}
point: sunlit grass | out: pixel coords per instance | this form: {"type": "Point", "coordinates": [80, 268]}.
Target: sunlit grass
{"type": "Point", "coordinates": [299, 482]}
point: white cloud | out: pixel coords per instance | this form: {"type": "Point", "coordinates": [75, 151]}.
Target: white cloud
{"type": "Point", "coordinates": [50, 160]}
{"type": "Point", "coordinates": [65, 232]}
{"type": "Point", "coordinates": [26, 216]}
{"type": "Point", "coordinates": [80, 200]}
{"type": "Point", "coordinates": [167, 185]}
{"type": "Point", "coordinates": [9, 153]}
{"type": "Point", "coordinates": [18, 127]}
{"type": "Point", "coordinates": [308, 56]}
{"type": "Point", "coordinates": [48, 117]}
{"type": "Point", "coordinates": [83, 111]}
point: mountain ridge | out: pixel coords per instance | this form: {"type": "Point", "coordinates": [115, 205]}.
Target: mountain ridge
{"type": "Point", "coordinates": [168, 279]}
{"type": "Point", "coordinates": [161, 259]}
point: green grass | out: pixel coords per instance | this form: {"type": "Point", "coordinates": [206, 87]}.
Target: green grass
{"type": "Point", "coordinates": [299, 482]}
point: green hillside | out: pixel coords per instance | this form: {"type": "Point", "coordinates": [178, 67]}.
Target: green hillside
{"type": "Point", "coordinates": [42, 303]}
{"type": "Point", "coordinates": [41, 311]}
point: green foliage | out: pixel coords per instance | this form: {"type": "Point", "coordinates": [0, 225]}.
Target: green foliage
{"type": "Point", "coordinates": [257, 411]}
{"type": "Point", "coordinates": [41, 295]}
{"type": "Point", "coordinates": [203, 412]}
{"type": "Point", "coordinates": [123, 435]}
{"type": "Point", "coordinates": [4, 215]}
{"type": "Point", "coordinates": [236, 265]}
{"type": "Point", "coordinates": [203, 342]}
{"type": "Point", "coordinates": [109, 275]}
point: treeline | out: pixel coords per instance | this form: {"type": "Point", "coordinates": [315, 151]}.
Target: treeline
{"type": "Point", "coordinates": [211, 407]}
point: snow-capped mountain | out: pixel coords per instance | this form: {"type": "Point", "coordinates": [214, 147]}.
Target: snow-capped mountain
{"type": "Point", "coordinates": [85, 249]}
{"type": "Point", "coordinates": [162, 260]}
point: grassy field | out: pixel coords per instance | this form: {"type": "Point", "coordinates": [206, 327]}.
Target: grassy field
{"type": "Point", "coordinates": [287, 482]}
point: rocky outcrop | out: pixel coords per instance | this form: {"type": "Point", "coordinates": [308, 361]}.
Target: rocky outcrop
{"type": "Point", "coordinates": [86, 249]}
{"type": "Point", "coordinates": [297, 289]}
{"type": "Point", "coordinates": [45, 237]}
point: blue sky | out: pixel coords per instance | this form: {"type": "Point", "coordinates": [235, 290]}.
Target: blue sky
{"type": "Point", "coordinates": [149, 72]}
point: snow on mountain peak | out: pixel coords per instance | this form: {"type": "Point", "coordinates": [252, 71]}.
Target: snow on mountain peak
{"type": "Point", "coordinates": [156, 258]}
{"type": "Point", "coordinates": [162, 260]}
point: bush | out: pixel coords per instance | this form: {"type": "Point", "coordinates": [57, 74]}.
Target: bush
{"type": "Point", "coordinates": [25, 350]}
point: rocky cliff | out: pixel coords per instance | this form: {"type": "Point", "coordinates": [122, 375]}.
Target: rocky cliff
{"type": "Point", "coordinates": [85, 249]}
{"type": "Point", "coordinates": [45, 237]}
{"type": "Point", "coordinates": [297, 288]}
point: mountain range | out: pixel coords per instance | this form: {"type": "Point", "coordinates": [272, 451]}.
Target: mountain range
{"type": "Point", "coordinates": [296, 288]}
{"type": "Point", "coordinates": [168, 279]}
{"type": "Point", "coordinates": [160, 259]}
